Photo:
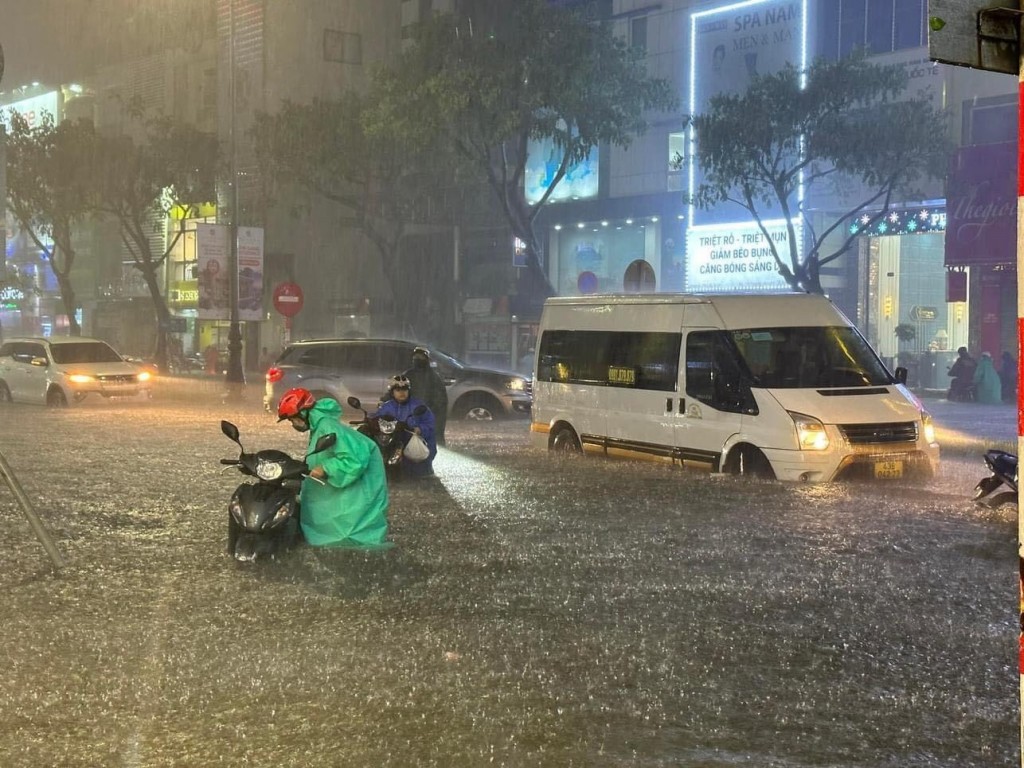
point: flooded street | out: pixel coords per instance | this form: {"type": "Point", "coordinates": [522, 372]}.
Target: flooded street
{"type": "Point", "coordinates": [536, 610]}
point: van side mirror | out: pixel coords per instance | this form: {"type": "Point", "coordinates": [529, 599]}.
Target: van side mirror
{"type": "Point", "coordinates": [901, 375]}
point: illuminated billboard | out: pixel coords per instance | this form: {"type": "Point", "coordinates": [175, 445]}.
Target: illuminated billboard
{"type": "Point", "coordinates": [32, 109]}
{"type": "Point", "coordinates": [730, 45]}
{"type": "Point", "coordinates": [542, 162]}
{"type": "Point", "coordinates": [735, 257]}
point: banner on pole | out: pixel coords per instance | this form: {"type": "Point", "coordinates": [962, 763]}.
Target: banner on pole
{"type": "Point", "coordinates": [213, 255]}
{"type": "Point", "coordinates": [250, 273]}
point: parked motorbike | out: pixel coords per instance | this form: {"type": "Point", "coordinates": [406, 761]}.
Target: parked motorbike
{"type": "Point", "coordinates": [1003, 468]}
{"type": "Point", "coordinates": [387, 432]}
{"type": "Point", "coordinates": [263, 516]}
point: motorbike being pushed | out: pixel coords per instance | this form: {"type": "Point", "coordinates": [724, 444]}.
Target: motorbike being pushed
{"type": "Point", "coordinates": [263, 516]}
{"type": "Point", "coordinates": [1003, 469]}
{"type": "Point", "coordinates": [388, 433]}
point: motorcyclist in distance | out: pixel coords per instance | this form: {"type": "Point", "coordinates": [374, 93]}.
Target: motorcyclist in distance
{"type": "Point", "coordinates": [344, 501]}
{"type": "Point", "coordinates": [428, 386]}
{"type": "Point", "coordinates": [401, 405]}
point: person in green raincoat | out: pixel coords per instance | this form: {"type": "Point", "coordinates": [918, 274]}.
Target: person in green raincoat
{"type": "Point", "coordinates": [348, 506]}
{"type": "Point", "coordinates": [987, 386]}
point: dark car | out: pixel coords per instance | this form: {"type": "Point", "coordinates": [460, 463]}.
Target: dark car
{"type": "Point", "coordinates": [339, 368]}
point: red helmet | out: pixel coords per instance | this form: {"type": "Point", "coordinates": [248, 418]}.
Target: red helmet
{"type": "Point", "coordinates": [294, 402]}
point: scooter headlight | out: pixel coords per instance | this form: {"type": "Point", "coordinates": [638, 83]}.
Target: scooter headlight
{"type": "Point", "coordinates": [927, 427]}
{"type": "Point", "coordinates": [387, 426]}
{"type": "Point", "coordinates": [269, 470]}
{"type": "Point", "coordinates": [810, 433]}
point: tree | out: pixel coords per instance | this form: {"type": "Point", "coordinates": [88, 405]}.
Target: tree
{"type": "Point", "coordinates": [848, 124]}
{"type": "Point", "coordinates": [546, 73]}
{"type": "Point", "coordinates": [168, 175]}
{"type": "Point", "coordinates": [49, 168]}
{"type": "Point", "coordinates": [325, 150]}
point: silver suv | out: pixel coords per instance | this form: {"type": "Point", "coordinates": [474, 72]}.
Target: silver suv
{"type": "Point", "coordinates": [61, 370]}
{"type": "Point", "coordinates": [338, 368]}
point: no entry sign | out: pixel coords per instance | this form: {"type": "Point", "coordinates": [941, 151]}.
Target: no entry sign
{"type": "Point", "coordinates": [288, 299]}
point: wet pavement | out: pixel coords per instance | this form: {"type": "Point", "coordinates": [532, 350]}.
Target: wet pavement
{"type": "Point", "coordinates": [536, 610]}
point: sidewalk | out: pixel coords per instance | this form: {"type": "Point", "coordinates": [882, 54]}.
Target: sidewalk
{"type": "Point", "coordinates": [972, 427]}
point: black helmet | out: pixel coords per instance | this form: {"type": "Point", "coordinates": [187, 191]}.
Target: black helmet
{"type": "Point", "coordinates": [421, 351]}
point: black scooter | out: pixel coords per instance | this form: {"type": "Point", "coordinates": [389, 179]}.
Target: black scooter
{"type": "Point", "coordinates": [263, 516]}
{"type": "Point", "coordinates": [387, 432]}
{"type": "Point", "coordinates": [1003, 467]}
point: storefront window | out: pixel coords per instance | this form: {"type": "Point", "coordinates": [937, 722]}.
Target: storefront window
{"type": "Point", "coordinates": [595, 257]}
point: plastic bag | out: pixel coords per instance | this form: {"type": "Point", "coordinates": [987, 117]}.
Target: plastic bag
{"type": "Point", "coordinates": [416, 449]}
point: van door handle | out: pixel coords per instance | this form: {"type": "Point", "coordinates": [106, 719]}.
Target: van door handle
{"type": "Point", "coordinates": [668, 405]}
{"type": "Point", "coordinates": [682, 404]}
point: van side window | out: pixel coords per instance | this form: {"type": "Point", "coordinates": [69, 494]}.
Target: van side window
{"type": "Point", "coordinates": [630, 359]}
{"type": "Point", "coordinates": [715, 375]}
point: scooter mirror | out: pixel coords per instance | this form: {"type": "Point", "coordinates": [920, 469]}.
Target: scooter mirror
{"type": "Point", "coordinates": [325, 442]}
{"type": "Point", "coordinates": [354, 402]}
{"type": "Point", "coordinates": [419, 410]}
{"type": "Point", "coordinates": [230, 430]}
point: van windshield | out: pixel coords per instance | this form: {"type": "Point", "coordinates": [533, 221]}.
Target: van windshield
{"type": "Point", "coordinates": [794, 358]}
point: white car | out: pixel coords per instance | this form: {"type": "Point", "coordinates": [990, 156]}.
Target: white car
{"type": "Point", "coordinates": [62, 370]}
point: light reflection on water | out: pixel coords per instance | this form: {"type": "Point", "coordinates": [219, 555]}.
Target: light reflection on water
{"type": "Point", "coordinates": [537, 610]}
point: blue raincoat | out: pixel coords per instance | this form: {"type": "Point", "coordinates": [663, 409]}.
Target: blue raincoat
{"type": "Point", "coordinates": [351, 509]}
{"type": "Point", "coordinates": [404, 412]}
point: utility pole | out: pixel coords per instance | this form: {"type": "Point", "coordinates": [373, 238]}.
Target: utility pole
{"type": "Point", "coordinates": [235, 376]}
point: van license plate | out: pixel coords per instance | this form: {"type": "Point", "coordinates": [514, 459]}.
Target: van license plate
{"type": "Point", "coordinates": [888, 470]}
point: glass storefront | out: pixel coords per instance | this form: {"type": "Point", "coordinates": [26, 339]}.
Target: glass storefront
{"type": "Point", "coordinates": [595, 256]}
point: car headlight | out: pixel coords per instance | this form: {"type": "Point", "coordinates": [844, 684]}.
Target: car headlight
{"type": "Point", "coordinates": [516, 385]}
{"type": "Point", "coordinates": [268, 470]}
{"type": "Point", "coordinates": [927, 427]}
{"type": "Point", "coordinates": [810, 433]}
{"type": "Point", "coordinates": [80, 378]}
{"type": "Point", "coordinates": [144, 376]}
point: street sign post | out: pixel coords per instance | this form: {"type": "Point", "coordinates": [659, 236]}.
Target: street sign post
{"type": "Point", "coordinates": [288, 302]}
{"type": "Point", "coordinates": [981, 34]}
{"type": "Point", "coordinates": [987, 35]}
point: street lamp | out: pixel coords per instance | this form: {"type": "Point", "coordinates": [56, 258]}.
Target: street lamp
{"type": "Point", "coordinates": [235, 372]}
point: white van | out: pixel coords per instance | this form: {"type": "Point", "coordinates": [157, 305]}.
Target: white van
{"type": "Point", "coordinates": [776, 385]}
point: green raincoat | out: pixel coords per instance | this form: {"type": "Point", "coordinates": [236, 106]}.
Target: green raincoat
{"type": "Point", "coordinates": [351, 509]}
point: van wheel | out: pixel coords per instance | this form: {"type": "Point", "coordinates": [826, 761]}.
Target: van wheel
{"type": "Point", "coordinates": [565, 441]}
{"type": "Point", "coordinates": [748, 461]}
{"type": "Point", "coordinates": [5, 394]}
{"type": "Point", "coordinates": [478, 408]}
{"type": "Point", "coordinates": [56, 398]}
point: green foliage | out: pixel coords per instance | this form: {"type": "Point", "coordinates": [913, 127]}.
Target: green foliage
{"type": "Point", "coordinates": [139, 184]}
{"type": "Point", "coordinates": [49, 170]}
{"type": "Point", "coordinates": [543, 72]}
{"type": "Point", "coordinates": [906, 332]}
{"type": "Point", "coordinates": [847, 125]}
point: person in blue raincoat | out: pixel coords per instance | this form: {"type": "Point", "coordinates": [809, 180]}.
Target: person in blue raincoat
{"type": "Point", "coordinates": [348, 507]}
{"type": "Point", "coordinates": [401, 405]}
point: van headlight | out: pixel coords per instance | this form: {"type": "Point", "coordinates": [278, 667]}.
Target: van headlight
{"type": "Point", "coordinates": [810, 433]}
{"type": "Point", "coordinates": [927, 427]}
{"type": "Point", "coordinates": [516, 385]}
{"type": "Point", "coordinates": [80, 378]}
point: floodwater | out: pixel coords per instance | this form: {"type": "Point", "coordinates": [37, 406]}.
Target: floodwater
{"type": "Point", "coordinates": [536, 610]}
